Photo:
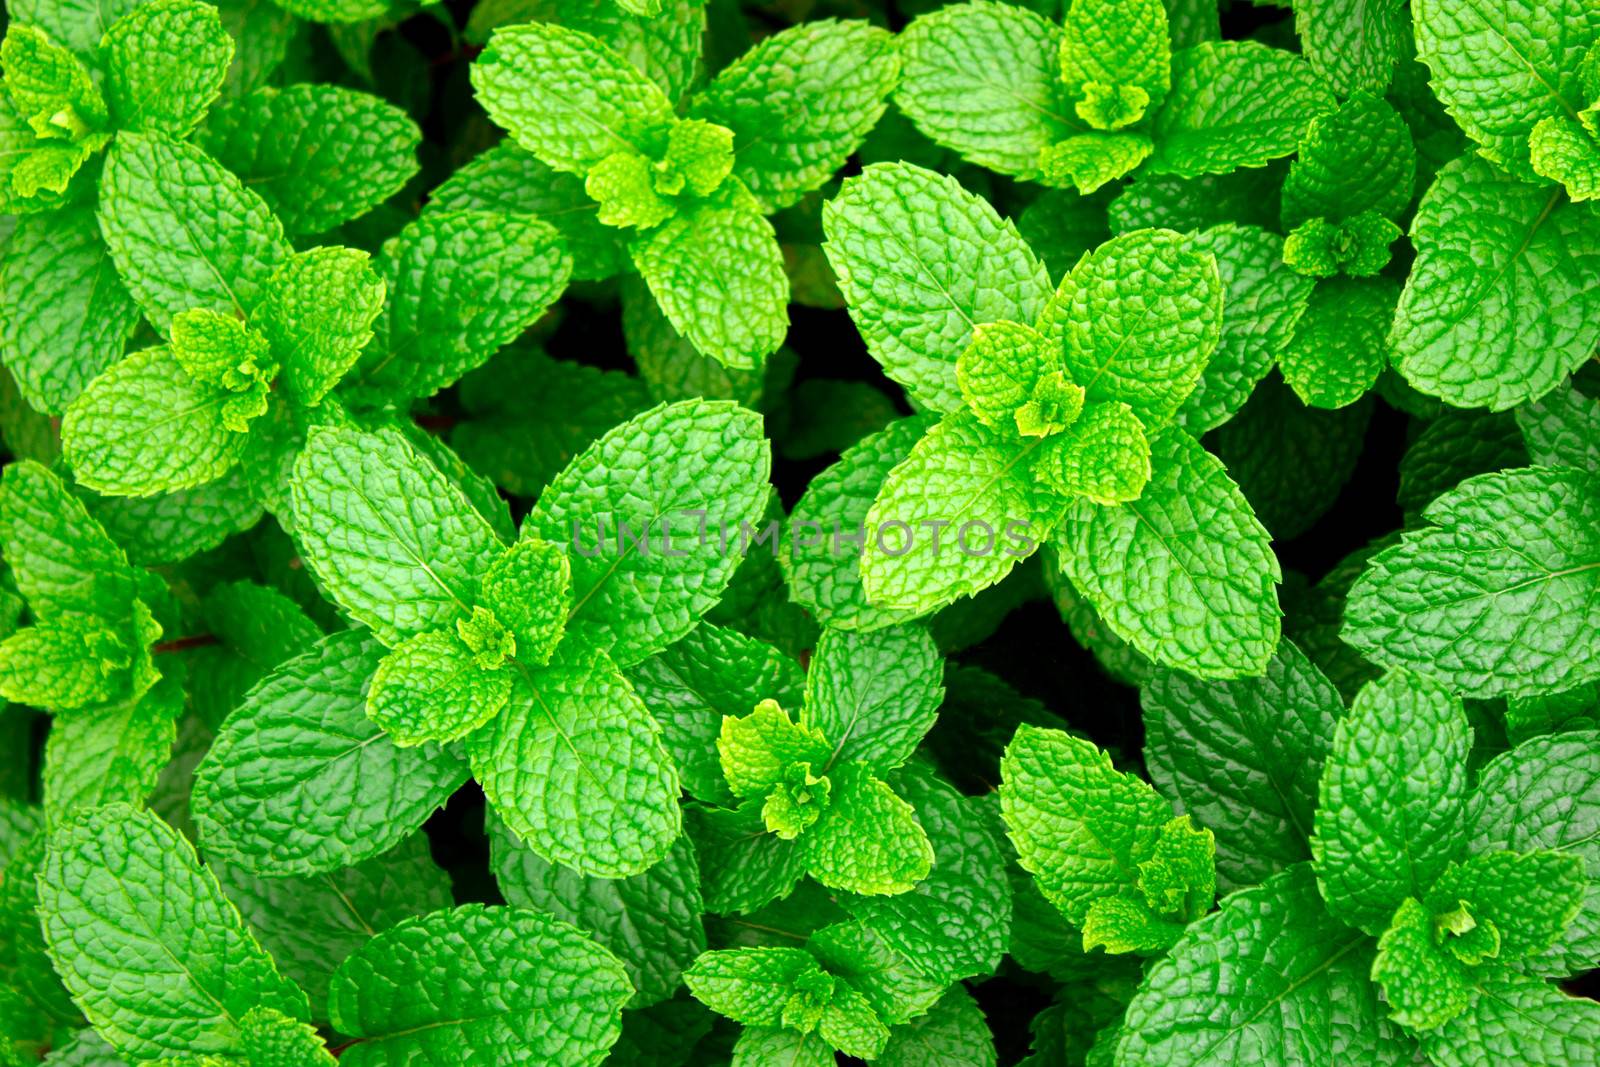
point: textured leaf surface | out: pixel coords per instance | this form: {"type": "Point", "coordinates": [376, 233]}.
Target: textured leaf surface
{"type": "Point", "coordinates": [970, 484]}
{"type": "Point", "coordinates": [112, 754]}
{"type": "Point", "coordinates": [1489, 248]}
{"type": "Point", "coordinates": [682, 476]}
{"type": "Point", "coordinates": [1272, 977]}
{"type": "Point", "coordinates": [1340, 345]}
{"type": "Point", "coordinates": [1500, 70]}
{"type": "Point", "coordinates": [153, 952]}
{"type": "Point", "coordinates": [164, 64]}
{"type": "Point", "coordinates": [868, 841]}
{"type": "Point", "coordinates": [1244, 757]}
{"type": "Point", "coordinates": [326, 787]}
{"type": "Point", "coordinates": [318, 154]}
{"type": "Point", "coordinates": [874, 695]}
{"type": "Point", "coordinates": [921, 262]}
{"type": "Point", "coordinates": [1234, 104]}
{"type": "Point", "coordinates": [1359, 158]}
{"type": "Point", "coordinates": [392, 540]}
{"type": "Point", "coordinates": [1494, 595]}
{"type": "Point", "coordinates": [799, 103]}
{"type": "Point", "coordinates": [1185, 573]}
{"type": "Point", "coordinates": [1391, 799]}
{"type": "Point", "coordinates": [477, 986]}
{"type": "Point", "coordinates": [651, 921]}
{"type": "Point", "coordinates": [1517, 1019]}
{"type": "Point", "coordinates": [183, 231]}
{"type": "Point", "coordinates": [461, 284]}
{"type": "Point", "coordinates": [574, 765]}
{"type": "Point", "coordinates": [983, 79]}
{"type": "Point", "coordinates": [64, 314]}
{"type": "Point", "coordinates": [1354, 44]}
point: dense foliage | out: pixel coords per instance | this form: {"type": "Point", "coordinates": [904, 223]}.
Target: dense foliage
{"type": "Point", "coordinates": [689, 533]}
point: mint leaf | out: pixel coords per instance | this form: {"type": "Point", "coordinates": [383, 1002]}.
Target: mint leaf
{"type": "Point", "coordinates": [146, 89]}
{"type": "Point", "coordinates": [521, 987]}
{"type": "Point", "coordinates": [874, 695]}
{"type": "Point", "coordinates": [868, 840]}
{"type": "Point", "coordinates": [893, 235]}
{"type": "Point", "coordinates": [1353, 44]}
{"type": "Point", "coordinates": [329, 788]}
{"type": "Point", "coordinates": [1486, 244]}
{"type": "Point", "coordinates": [1340, 345]}
{"type": "Point", "coordinates": [984, 80]}
{"type": "Point", "coordinates": [1393, 789]}
{"type": "Point", "coordinates": [1184, 573]}
{"type": "Point", "coordinates": [318, 154]}
{"type": "Point", "coordinates": [1499, 74]}
{"type": "Point", "coordinates": [953, 1031]}
{"type": "Point", "coordinates": [1296, 988]}
{"type": "Point", "coordinates": [575, 767]}
{"type": "Point", "coordinates": [1562, 429]}
{"type": "Point", "coordinates": [685, 501]}
{"type": "Point", "coordinates": [1359, 158]}
{"type": "Point", "coordinates": [799, 103]}
{"type": "Point", "coordinates": [1489, 596]}
{"type": "Point", "coordinates": [651, 921]}
{"type": "Point", "coordinates": [152, 951]}
{"type": "Point", "coordinates": [184, 232]}
{"type": "Point", "coordinates": [1201, 131]}
{"type": "Point", "coordinates": [64, 314]}
{"type": "Point", "coordinates": [1513, 1015]}
{"type": "Point", "coordinates": [110, 754]}
{"type": "Point", "coordinates": [1244, 757]}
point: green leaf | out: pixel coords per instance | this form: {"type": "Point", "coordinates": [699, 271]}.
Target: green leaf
{"type": "Point", "coordinates": [686, 478]}
{"type": "Point", "coordinates": [183, 231]}
{"type": "Point", "coordinates": [1005, 369]}
{"type": "Point", "coordinates": [256, 628]}
{"type": "Point", "coordinates": [742, 866]}
{"type": "Point", "coordinates": [78, 24]}
{"type": "Point", "coordinates": [1104, 457]}
{"type": "Point", "coordinates": [1185, 573]}
{"type": "Point", "coordinates": [1137, 319]}
{"type": "Point", "coordinates": [63, 665]}
{"type": "Point", "coordinates": [1562, 429]}
{"type": "Point", "coordinates": [716, 270]}
{"type": "Point", "coordinates": [575, 767]}
{"type": "Point", "coordinates": [1353, 44]}
{"type": "Point", "coordinates": [1359, 158]}
{"type": "Point", "coordinates": [530, 589]}
{"type": "Point", "coordinates": [868, 840]}
{"type": "Point", "coordinates": [1244, 758]}
{"type": "Point", "coordinates": [1340, 346]}
{"type": "Point", "coordinates": [874, 695]}
{"type": "Point", "coordinates": [318, 154]}
{"type": "Point", "coordinates": [568, 97]}
{"type": "Point", "coordinates": [953, 1031]}
{"type": "Point", "coordinates": [1391, 799]}
{"type": "Point", "coordinates": [146, 426]}
{"type": "Point", "coordinates": [760, 1045]}
{"type": "Point", "coordinates": [1116, 45]}
{"type": "Point", "coordinates": [757, 750]}
{"type": "Point", "coordinates": [431, 687]}
{"type": "Point", "coordinates": [953, 923]}
{"type": "Point", "coordinates": [896, 991]}
{"type": "Point", "coordinates": [110, 754]}
{"type": "Point", "coordinates": [326, 788]}
{"type": "Point", "coordinates": [507, 179]}
{"type": "Point", "coordinates": [799, 103]}
{"type": "Point", "coordinates": [1424, 985]}
{"type": "Point", "coordinates": [389, 537]}
{"type": "Point", "coordinates": [1493, 596]}
{"type": "Point", "coordinates": [60, 559]}
{"type": "Point", "coordinates": [1488, 245]}
{"type": "Point", "coordinates": [153, 953]}
{"type": "Point", "coordinates": [164, 63]}
{"type": "Point", "coordinates": [651, 921]}
{"type": "Point", "coordinates": [1358, 247]}
{"type": "Point", "coordinates": [1269, 978]}
{"type": "Point", "coordinates": [984, 80]}
{"type": "Point", "coordinates": [1235, 104]}
{"type": "Point", "coordinates": [317, 314]}
{"type": "Point", "coordinates": [1086, 162]}
{"type": "Point", "coordinates": [1262, 303]}
{"type": "Point", "coordinates": [54, 93]}
{"type": "Point", "coordinates": [1564, 151]}
{"type": "Point", "coordinates": [519, 987]}
{"type": "Point", "coordinates": [1529, 897]}
{"type": "Point", "coordinates": [708, 676]}
{"type": "Point", "coordinates": [64, 315]}
{"type": "Point", "coordinates": [1544, 795]}
{"type": "Point", "coordinates": [1499, 72]}
{"type": "Point", "coordinates": [310, 924]}
{"type": "Point", "coordinates": [749, 985]}
{"type": "Point", "coordinates": [820, 560]}
{"type": "Point", "coordinates": [969, 484]}
{"type": "Point", "coordinates": [1516, 1019]}
{"type": "Point", "coordinates": [461, 284]}
{"type": "Point", "coordinates": [921, 262]}
{"type": "Point", "coordinates": [1080, 827]}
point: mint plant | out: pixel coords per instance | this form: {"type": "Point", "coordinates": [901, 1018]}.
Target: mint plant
{"type": "Point", "coordinates": [693, 534]}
